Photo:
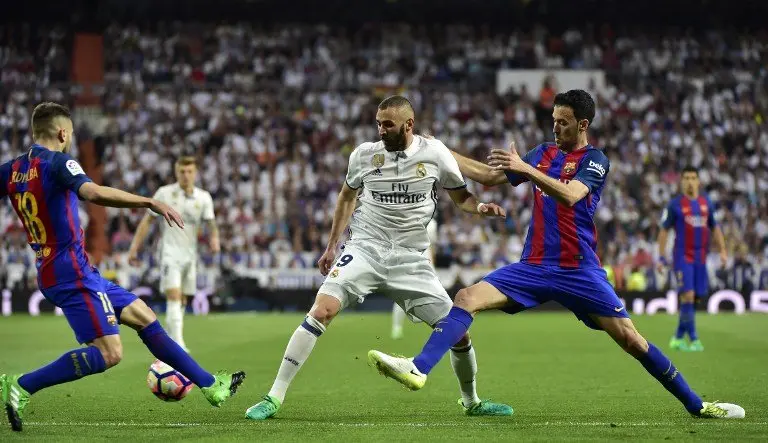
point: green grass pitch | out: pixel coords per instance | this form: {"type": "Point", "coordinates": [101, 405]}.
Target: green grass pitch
{"type": "Point", "coordinates": [565, 382]}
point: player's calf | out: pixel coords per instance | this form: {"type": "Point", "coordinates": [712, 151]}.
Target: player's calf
{"type": "Point", "coordinates": [624, 333]}
{"type": "Point", "coordinates": [111, 348]}
{"type": "Point", "coordinates": [16, 390]}
{"type": "Point", "coordinates": [296, 353]}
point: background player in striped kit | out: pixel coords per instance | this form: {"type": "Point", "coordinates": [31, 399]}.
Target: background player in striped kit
{"type": "Point", "coordinates": [691, 216]}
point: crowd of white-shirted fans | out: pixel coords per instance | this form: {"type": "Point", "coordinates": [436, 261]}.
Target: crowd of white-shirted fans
{"type": "Point", "coordinates": [273, 113]}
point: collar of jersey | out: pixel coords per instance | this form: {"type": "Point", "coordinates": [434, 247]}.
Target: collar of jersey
{"type": "Point", "coordinates": [35, 145]}
{"type": "Point", "coordinates": [178, 187]}
{"type": "Point", "coordinates": [414, 146]}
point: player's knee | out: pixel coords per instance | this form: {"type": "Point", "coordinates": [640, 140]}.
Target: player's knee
{"type": "Point", "coordinates": [324, 312]}
{"type": "Point", "coordinates": [466, 300]}
{"type": "Point", "coordinates": [463, 342]}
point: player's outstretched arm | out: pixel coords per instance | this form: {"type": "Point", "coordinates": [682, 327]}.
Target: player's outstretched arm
{"type": "Point", "coordinates": [345, 206]}
{"type": "Point", "coordinates": [479, 172]}
{"type": "Point", "coordinates": [115, 198]}
{"type": "Point", "coordinates": [467, 202]}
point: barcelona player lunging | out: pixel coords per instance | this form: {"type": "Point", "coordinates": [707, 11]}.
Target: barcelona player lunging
{"type": "Point", "coordinates": [43, 185]}
{"type": "Point", "coordinates": [559, 262]}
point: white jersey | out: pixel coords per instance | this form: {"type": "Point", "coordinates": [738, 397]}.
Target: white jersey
{"type": "Point", "coordinates": [180, 245]}
{"type": "Point", "coordinates": [399, 195]}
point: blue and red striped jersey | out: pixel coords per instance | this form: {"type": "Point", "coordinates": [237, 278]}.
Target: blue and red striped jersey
{"type": "Point", "coordinates": [560, 235]}
{"type": "Point", "coordinates": [42, 186]}
{"type": "Point", "coordinates": [692, 220]}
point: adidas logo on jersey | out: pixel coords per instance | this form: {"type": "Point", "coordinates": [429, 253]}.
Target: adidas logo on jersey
{"type": "Point", "coordinates": [597, 167]}
{"type": "Point", "coordinates": [377, 172]}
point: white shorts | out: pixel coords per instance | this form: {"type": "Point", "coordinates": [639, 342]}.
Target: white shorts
{"type": "Point", "coordinates": [182, 275]}
{"type": "Point", "coordinates": [405, 276]}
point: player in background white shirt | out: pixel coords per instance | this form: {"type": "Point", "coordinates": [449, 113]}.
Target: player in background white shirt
{"type": "Point", "coordinates": [385, 253]}
{"type": "Point", "coordinates": [177, 247]}
{"type": "Point", "coordinates": [398, 315]}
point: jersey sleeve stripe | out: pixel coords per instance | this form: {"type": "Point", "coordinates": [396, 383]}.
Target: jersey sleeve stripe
{"type": "Point", "coordinates": [456, 188]}
{"type": "Point", "coordinates": [355, 188]}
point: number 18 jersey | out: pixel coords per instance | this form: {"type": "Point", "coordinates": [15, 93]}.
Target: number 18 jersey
{"type": "Point", "coordinates": [42, 186]}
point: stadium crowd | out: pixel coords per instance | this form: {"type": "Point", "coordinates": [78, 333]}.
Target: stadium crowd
{"type": "Point", "coordinates": [273, 113]}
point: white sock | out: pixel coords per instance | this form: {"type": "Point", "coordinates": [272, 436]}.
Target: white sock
{"type": "Point", "coordinates": [174, 318]}
{"type": "Point", "coordinates": [398, 317]}
{"type": "Point", "coordinates": [296, 353]}
{"type": "Point", "coordinates": [465, 367]}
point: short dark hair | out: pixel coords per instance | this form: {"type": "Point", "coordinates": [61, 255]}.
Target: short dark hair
{"type": "Point", "coordinates": [579, 101]}
{"type": "Point", "coordinates": [43, 116]}
{"type": "Point", "coordinates": [693, 169]}
{"type": "Point", "coordinates": [395, 101]}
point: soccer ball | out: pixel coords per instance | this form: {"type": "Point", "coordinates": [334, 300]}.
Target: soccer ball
{"type": "Point", "coordinates": [167, 383]}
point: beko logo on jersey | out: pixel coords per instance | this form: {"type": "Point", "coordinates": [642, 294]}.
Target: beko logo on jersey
{"type": "Point", "coordinates": [696, 221]}
{"type": "Point", "coordinates": [597, 167]}
{"type": "Point", "coordinates": [18, 177]}
{"type": "Point", "coordinates": [399, 195]}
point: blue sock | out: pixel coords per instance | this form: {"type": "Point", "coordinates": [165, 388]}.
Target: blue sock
{"type": "Point", "coordinates": [71, 366]}
{"type": "Point", "coordinates": [167, 350]}
{"type": "Point", "coordinates": [686, 317]}
{"type": "Point", "coordinates": [658, 365]}
{"type": "Point", "coordinates": [446, 333]}
{"type": "Point", "coordinates": [692, 323]}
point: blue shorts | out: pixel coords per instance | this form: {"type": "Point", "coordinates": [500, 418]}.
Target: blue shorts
{"type": "Point", "coordinates": [692, 277]}
{"type": "Point", "coordinates": [92, 305]}
{"type": "Point", "coordinates": [582, 291]}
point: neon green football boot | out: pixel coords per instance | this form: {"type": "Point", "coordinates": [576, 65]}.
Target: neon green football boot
{"type": "Point", "coordinates": [263, 409]}
{"type": "Point", "coordinates": [224, 386]}
{"type": "Point", "coordinates": [678, 344]}
{"type": "Point", "coordinates": [15, 399]}
{"type": "Point", "coordinates": [695, 346]}
{"type": "Point", "coordinates": [487, 408]}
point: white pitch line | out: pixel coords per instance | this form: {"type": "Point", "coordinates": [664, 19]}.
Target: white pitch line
{"type": "Point", "coordinates": [510, 423]}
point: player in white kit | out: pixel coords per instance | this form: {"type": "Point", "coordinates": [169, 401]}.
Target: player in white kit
{"type": "Point", "coordinates": [178, 247]}
{"type": "Point", "coordinates": [399, 176]}
{"type": "Point", "coordinates": [398, 315]}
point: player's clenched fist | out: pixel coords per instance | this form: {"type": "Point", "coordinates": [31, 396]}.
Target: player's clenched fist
{"type": "Point", "coordinates": [326, 261]}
